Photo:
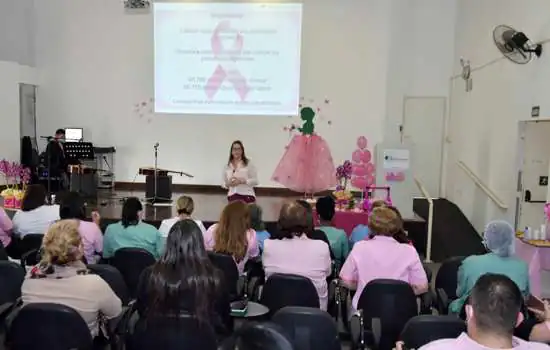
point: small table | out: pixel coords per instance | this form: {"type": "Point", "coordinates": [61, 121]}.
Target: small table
{"type": "Point", "coordinates": [254, 310]}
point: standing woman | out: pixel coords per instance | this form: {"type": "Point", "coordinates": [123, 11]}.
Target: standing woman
{"type": "Point", "coordinates": [239, 176]}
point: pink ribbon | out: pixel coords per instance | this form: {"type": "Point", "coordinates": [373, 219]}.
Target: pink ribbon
{"type": "Point", "coordinates": [222, 73]}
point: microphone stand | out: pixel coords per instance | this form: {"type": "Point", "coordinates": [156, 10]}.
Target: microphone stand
{"type": "Point", "coordinates": [155, 199]}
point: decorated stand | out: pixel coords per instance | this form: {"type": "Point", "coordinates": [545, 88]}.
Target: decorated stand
{"type": "Point", "coordinates": [16, 178]}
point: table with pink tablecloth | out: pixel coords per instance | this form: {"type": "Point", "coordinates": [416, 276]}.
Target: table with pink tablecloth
{"type": "Point", "coordinates": [538, 258]}
{"type": "Point", "coordinates": [347, 220]}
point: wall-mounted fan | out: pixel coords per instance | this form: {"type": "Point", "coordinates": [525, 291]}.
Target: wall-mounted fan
{"type": "Point", "coordinates": [515, 45]}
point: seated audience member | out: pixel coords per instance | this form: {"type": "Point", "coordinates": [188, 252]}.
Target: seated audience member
{"type": "Point", "coordinates": [537, 328]}
{"type": "Point", "coordinates": [72, 206]}
{"type": "Point", "coordinates": [311, 232]}
{"type": "Point", "coordinates": [184, 281]}
{"type": "Point", "coordinates": [292, 252]}
{"type": "Point", "coordinates": [493, 312]}
{"type": "Point", "coordinates": [499, 240]}
{"type": "Point", "coordinates": [62, 278]}
{"type": "Point", "coordinates": [400, 236]}
{"type": "Point", "coordinates": [5, 230]}
{"type": "Point", "coordinates": [383, 257]}
{"type": "Point", "coordinates": [184, 207]}
{"type": "Point", "coordinates": [254, 336]}
{"type": "Point", "coordinates": [35, 215]}
{"type": "Point", "coordinates": [326, 208]}
{"type": "Point", "coordinates": [361, 232]}
{"type": "Point", "coordinates": [233, 235]}
{"type": "Point", "coordinates": [132, 232]}
{"type": "Point", "coordinates": [258, 225]}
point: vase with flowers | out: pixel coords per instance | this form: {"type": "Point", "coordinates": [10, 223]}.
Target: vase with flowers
{"type": "Point", "coordinates": [344, 197]}
{"type": "Point", "coordinates": [16, 178]}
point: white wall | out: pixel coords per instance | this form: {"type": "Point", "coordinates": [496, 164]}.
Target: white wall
{"type": "Point", "coordinates": [17, 31]}
{"type": "Point", "coordinates": [12, 74]}
{"type": "Point", "coordinates": [98, 62]}
{"type": "Point", "coordinates": [484, 123]}
{"type": "Point", "coordinates": [421, 55]}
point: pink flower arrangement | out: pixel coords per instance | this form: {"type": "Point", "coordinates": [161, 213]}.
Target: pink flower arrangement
{"type": "Point", "coordinates": [14, 175]}
{"type": "Point", "coordinates": [343, 174]}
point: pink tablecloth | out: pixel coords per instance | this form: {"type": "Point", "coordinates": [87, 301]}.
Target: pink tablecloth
{"type": "Point", "coordinates": [347, 220]}
{"type": "Point", "coordinates": [538, 259]}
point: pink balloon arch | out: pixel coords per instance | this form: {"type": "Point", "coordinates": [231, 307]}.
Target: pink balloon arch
{"type": "Point", "coordinates": [363, 171]}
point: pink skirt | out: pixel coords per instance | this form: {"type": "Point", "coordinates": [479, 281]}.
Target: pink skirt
{"type": "Point", "coordinates": [306, 166]}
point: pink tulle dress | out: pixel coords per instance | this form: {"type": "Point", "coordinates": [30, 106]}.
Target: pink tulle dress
{"type": "Point", "coordinates": [306, 166]}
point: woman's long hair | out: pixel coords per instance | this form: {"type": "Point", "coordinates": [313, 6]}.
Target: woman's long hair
{"type": "Point", "coordinates": [72, 206]}
{"type": "Point", "coordinates": [231, 233]}
{"type": "Point", "coordinates": [130, 212]}
{"type": "Point", "coordinates": [243, 156]}
{"type": "Point", "coordinates": [184, 271]}
{"type": "Point", "coordinates": [34, 197]}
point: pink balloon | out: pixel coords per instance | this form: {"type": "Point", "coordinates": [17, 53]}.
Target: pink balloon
{"type": "Point", "coordinates": [366, 156]}
{"type": "Point", "coordinates": [359, 182]}
{"type": "Point", "coordinates": [356, 156]}
{"type": "Point", "coordinates": [359, 170]}
{"type": "Point", "coordinates": [362, 142]}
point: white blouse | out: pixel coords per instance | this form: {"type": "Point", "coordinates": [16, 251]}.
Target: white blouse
{"type": "Point", "coordinates": [247, 173]}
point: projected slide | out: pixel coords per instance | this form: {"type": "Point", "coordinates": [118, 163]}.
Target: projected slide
{"type": "Point", "coordinates": [227, 58]}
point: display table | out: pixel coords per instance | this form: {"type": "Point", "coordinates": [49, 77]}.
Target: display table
{"type": "Point", "coordinates": [537, 255]}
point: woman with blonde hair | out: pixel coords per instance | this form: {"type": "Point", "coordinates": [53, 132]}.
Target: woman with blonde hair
{"type": "Point", "coordinates": [62, 278]}
{"type": "Point", "coordinates": [185, 206]}
{"type": "Point", "coordinates": [382, 256]}
{"type": "Point", "coordinates": [233, 235]}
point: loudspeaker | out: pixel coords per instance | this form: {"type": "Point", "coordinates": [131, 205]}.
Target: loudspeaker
{"type": "Point", "coordinates": [164, 188]}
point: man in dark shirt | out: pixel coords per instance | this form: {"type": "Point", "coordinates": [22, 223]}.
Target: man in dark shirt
{"type": "Point", "coordinates": [57, 158]}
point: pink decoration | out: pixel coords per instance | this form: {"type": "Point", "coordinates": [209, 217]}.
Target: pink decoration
{"type": "Point", "coordinates": [222, 73]}
{"type": "Point", "coordinates": [362, 142]}
{"type": "Point", "coordinates": [306, 165]}
{"type": "Point", "coordinates": [363, 170]}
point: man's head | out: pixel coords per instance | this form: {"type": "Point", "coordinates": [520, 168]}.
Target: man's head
{"type": "Point", "coordinates": [494, 306]}
{"type": "Point", "coordinates": [60, 134]}
{"type": "Point", "coordinates": [326, 208]}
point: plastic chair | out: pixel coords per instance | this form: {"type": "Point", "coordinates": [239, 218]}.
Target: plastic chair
{"type": "Point", "coordinates": [230, 272]}
{"type": "Point", "coordinates": [30, 242]}
{"type": "Point", "coordinates": [183, 332]}
{"type": "Point", "coordinates": [385, 306]}
{"type": "Point", "coordinates": [423, 329]}
{"type": "Point", "coordinates": [446, 283]}
{"type": "Point", "coordinates": [114, 279]}
{"type": "Point", "coordinates": [308, 328]}
{"type": "Point", "coordinates": [48, 326]}
{"type": "Point", "coordinates": [131, 262]}
{"type": "Point", "coordinates": [3, 254]}
{"type": "Point", "coordinates": [282, 290]}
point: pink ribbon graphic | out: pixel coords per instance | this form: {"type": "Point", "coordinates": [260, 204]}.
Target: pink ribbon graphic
{"type": "Point", "coordinates": [226, 71]}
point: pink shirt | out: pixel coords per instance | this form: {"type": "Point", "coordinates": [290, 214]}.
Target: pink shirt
{"type": "Point", "coordinates": [253, 249]}
{"type": "Point", "coordinates": [5, 228]}
{"type": "Point", "coordinates": [464, 342]}
{"type": "Point", "coordinates": [382, 257]}
{"type": "Point", "coordinates": [299, 256]}
{"type": "Point", "coordinates": [92, 240]}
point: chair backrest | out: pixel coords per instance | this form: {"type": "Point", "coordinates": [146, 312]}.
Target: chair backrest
{"type": "Point", "coordinates": [226, 264]}
{"type": "Point", "coordinates": [114, 279]}
{"type": "Point", "coordinates": [32, 241]}
{"type": "Point", "coordinates": [282, 290]}
{"type": "Point", "coordinates": [131, 262]}
{"type": "Point", "coordinates": [183, 332]}
{"type": "Point", "coordinates": [3, 254]}
{"type": "Point", "coordinates": [447, 275]}
{"type": "Point", "coordinates": [308, 328]}
{"type": "Point", "coordinates": [48, 326]}
{"type": "Point", "coordinates": [393, 303]}
{"type": "Point", "coordinates": [11, 279]}
{"type": "Point", "coordinates": [423, 329]}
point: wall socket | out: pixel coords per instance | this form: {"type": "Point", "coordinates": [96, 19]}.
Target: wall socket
{"type": "Point", "coordinates": [535, 111]}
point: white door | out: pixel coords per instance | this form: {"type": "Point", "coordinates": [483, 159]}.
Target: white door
{"type": "Point", "coordinates": [422, 114]}
{"type": "Point", "coordinates": [533, 173]}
